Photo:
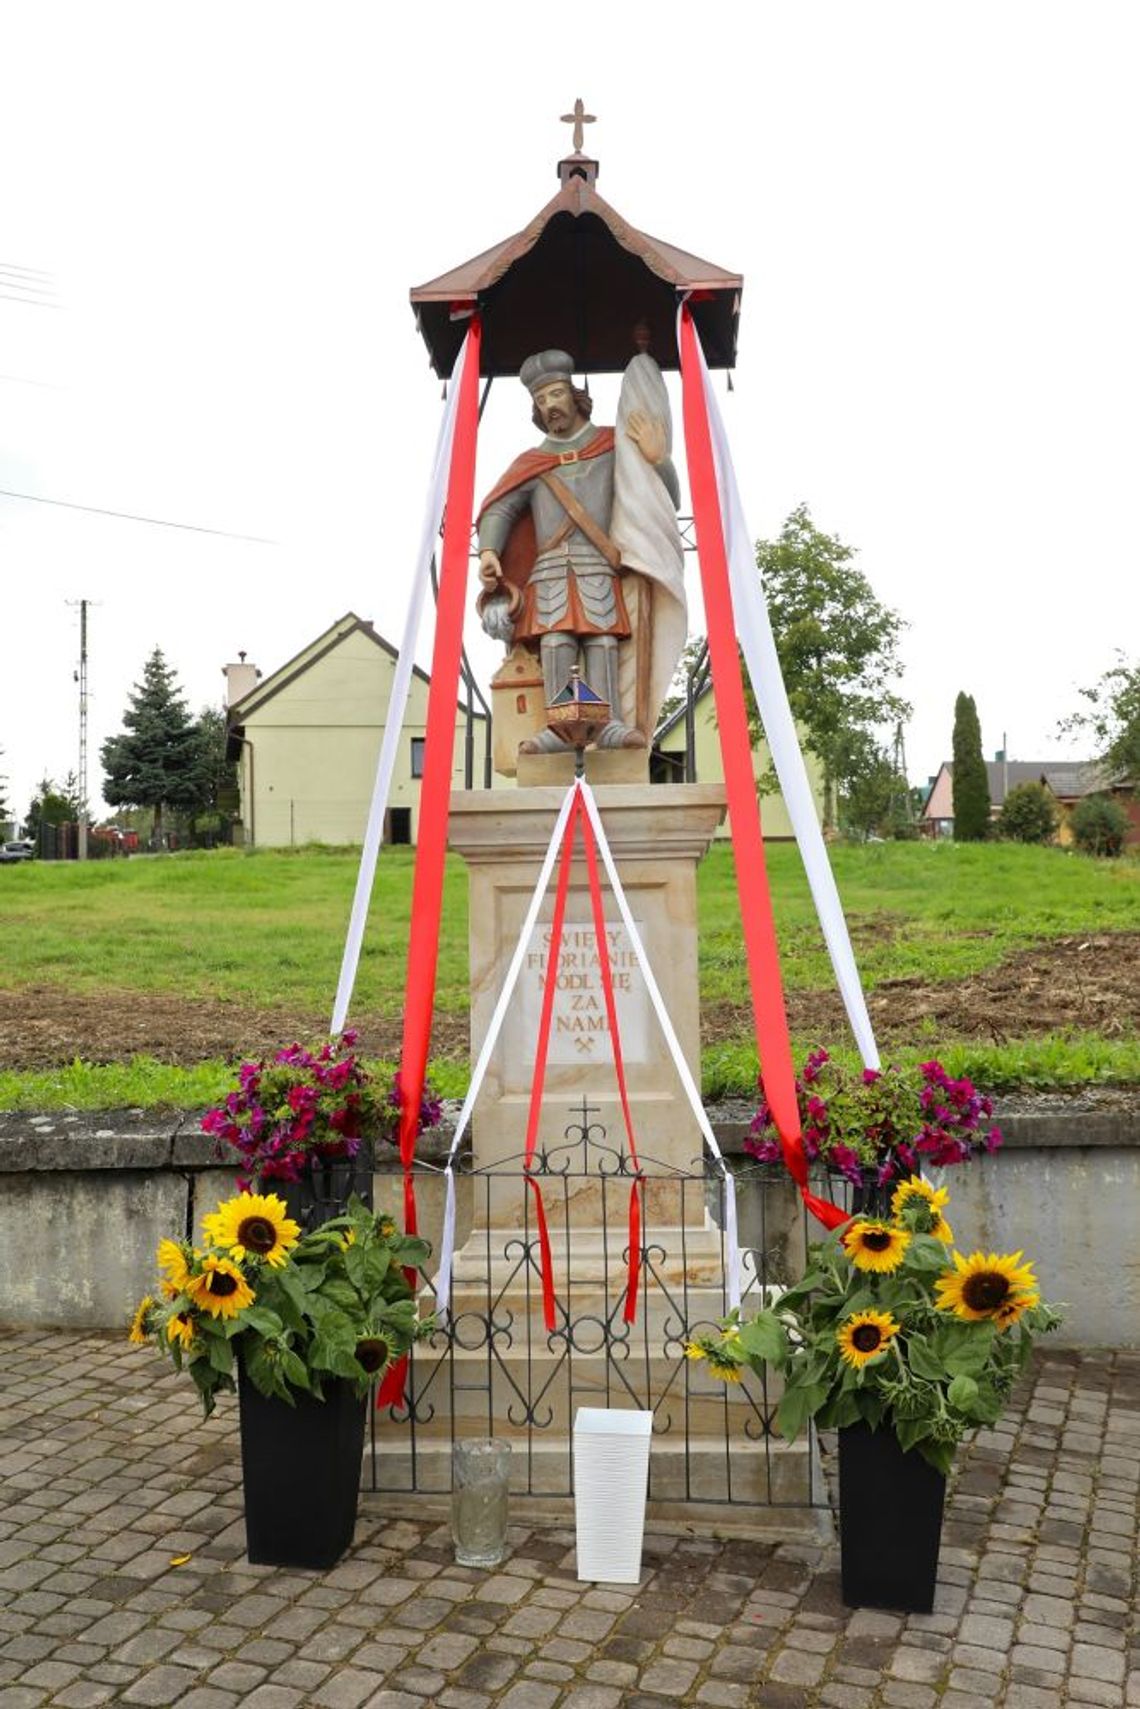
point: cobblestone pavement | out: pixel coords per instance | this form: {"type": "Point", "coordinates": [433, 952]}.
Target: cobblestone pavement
{"type": "Point", "coordinates": [107, 1473]}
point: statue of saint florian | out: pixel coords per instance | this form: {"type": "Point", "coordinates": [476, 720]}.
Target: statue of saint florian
{"type": "Point", "coordinates": [580, 557]}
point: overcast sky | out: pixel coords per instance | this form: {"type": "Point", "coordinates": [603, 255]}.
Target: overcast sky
{"type": "Point", "coordinates": [933, 207]}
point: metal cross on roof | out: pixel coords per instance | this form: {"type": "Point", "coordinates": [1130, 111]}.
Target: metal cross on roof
{"type": "Point", "coordinates": [578, 118]}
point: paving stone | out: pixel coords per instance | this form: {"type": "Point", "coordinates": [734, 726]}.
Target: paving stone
{"type": "Point", "coordinates": [347, 1689]}
{"type": "Point", "coordinates": [529, 1694]}
{"type": "Point", "coordinates": [161, 1685]}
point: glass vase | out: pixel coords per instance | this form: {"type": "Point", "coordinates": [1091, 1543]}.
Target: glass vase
{"type": "Point", "coordinates": [480, 1477]}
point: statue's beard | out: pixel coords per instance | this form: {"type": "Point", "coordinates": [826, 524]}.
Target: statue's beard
{"type": "Point", "coordinates": [558, 423]}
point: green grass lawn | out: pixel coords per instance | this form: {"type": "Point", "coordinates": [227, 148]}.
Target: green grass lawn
{"type": "Point", "coordinates": [268, 928]}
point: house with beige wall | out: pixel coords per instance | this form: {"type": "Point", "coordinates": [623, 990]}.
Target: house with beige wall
{"type": "Point", "coordinates": [307, 738]}
{"type": "Point", "coordinates": [667, 764]}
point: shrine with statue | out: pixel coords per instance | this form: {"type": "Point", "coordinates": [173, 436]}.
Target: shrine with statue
{"type": "Point", "coordinates": [585, 1225]}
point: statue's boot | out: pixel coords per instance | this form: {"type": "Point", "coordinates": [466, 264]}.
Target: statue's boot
{"type": "Point", "coordinates": [547, 741]}
{"type": "Point", "coordinates": [618, 735]}
{"type": "Point", "coordinates": [600, 658]}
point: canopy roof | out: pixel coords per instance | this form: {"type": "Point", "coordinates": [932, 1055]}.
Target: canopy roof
{"type": "Point", "coordinates": [578, 278]}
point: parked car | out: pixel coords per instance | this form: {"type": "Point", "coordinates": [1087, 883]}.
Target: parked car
{"type": "Point", "coordinates": [22, 849]}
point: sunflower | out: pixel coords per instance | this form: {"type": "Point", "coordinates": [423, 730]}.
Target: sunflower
{"type": "Point", "coordinates": [221, 1289]}
{"type": "Point", "coordinates": [875, 1245]}
{"type": "Point", "coordinates": [1007, 1315]}
{"type": "Point", "coordinates": [723, 1361]}
{"type": "Point", "coordinates": [171, 1258]}
{"type": "Point", "coordinates": [374, 1353]}
{"type": "Point", "coordinates": [987, 1285]}
{"type": "Point", "coordinates": [138, 1333]}
{"type": "Point", "coordinates": [253, 1226]}
{"type": "Point", "coordinates": [180, 1327]}
{"type": "Point", "coordinates": [729, 1370]}
{"type": "Point", "coordinates": [865, 1335]}
{"type": "Point", "coordinates": [935, 1198]}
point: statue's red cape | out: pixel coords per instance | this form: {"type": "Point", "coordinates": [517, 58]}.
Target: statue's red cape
{"type": "Point", "coordinates": [521, 549]}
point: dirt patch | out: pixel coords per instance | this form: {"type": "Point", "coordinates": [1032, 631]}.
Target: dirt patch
{"type": "Point", "coordinates": [1081, 983]}
{"type": "Point", "coordinates": [1085, 984]}
{"type": "Point", "coordinates": [45, 1027]}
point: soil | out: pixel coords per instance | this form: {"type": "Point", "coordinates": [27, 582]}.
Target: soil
{"type": "Point", "coordinates": [1089, 983]}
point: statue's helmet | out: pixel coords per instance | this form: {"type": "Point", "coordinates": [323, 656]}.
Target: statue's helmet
{"type": "Point", "coordinates": [545, 368]}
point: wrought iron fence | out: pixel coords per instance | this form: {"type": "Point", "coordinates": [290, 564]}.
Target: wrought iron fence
{"type": "Point", "coordinates": [493, 1368]}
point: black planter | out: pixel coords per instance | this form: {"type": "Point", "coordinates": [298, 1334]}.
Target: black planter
{"type": "Point", "coordinates": [890, 1521]}
{"type": "Point", "coordinates": [326, 1187]}
{"type": "Point", "coordinates": [300, 1468]}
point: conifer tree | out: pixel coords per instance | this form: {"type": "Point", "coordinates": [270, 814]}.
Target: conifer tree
{"type": "Point", "coordinates": [971, 785]}
{"type": "Point", "coordinates": [154, 761]}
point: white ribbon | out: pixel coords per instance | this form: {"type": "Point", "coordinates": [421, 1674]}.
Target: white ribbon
{"type": "Point", "coordinates": [397, 704]}
{"type": "Point", "coordinates": [732, 1259]}
{"type": "Point", "coordinates": [754, 629]}
{"type": "Point", "coordinates": [447, 1242]}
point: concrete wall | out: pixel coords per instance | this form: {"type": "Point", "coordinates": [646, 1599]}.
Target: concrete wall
{"type": "Point", "coordinates": [84, 1203]}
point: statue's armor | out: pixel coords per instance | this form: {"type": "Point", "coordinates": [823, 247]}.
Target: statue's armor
{"type": "Point", "coordinates": [573, 595]}
{"type": "Point", "coordinates": [572, 588]}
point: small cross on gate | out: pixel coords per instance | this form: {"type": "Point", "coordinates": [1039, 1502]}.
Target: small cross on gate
{"type": "Point", "coordinates": [578, 118]}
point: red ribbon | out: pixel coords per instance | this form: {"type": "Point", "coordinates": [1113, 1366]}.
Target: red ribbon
{"type": "Point", "coordinates": [619, 1068]}
{"type": "Point", "coordinates": [541, 1050]}
{"type": "Point", "coordinates": [435, 791]}
{"type": "Point", "coordinates": [439, 760]}
{"type": "Point", "coordinates": [772, 1041]}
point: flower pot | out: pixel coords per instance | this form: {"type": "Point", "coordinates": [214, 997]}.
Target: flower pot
{"type": "Point", "coordinates": [300, 1468]}
{"type": "Point", "coordinates": [890, 1521]}
{"type": "Point", "coordinates": [326, 1187]}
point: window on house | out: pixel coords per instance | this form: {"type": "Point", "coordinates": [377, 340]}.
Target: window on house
{"type": "Point", "coordinates": [418, 756]}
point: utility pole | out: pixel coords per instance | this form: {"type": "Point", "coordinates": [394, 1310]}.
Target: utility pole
{"type": "Point", "coordinates": [81, 679]}
{"type": "Point", "coordinates": [901, 785]}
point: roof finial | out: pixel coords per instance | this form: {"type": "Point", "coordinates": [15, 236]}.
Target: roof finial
{"type": "Point", "coordinates": [578, 118]}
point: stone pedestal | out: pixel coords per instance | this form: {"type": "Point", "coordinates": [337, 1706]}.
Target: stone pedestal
{"type": "Point", "coordinates": [658, 834]}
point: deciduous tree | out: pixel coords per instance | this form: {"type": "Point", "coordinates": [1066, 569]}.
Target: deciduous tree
{"type": "Point", "coordinates": [1111, 717]}
{"type": "Point", "coordinates": [971, 789]}
{"type": "Point", "coordinates": [838, 649]}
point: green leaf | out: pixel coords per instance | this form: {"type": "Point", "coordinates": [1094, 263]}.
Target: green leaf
{"type": "Point", "coordinates": [923, 1360]}
{"type": "Point", "coordinates": [911, 1431]}
{"type": "Point", "coordinates": [798, 1405]}
{"type": "Point", "coordinates": [764, 1338]}
{"type": "Point", "coordinates": [925, 1254]}
{"type": "Point", "coordinates": [261, 1321]}
{"type": "Point", "coordinates": [294, 1370]}
{"type": "Point", "coordinates": [220, 1354]}
{"type": "Point", "coordinates": [963, 1393]}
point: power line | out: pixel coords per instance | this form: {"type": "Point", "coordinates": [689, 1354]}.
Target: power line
{"type": "Point", "coordinates": [129, 516]}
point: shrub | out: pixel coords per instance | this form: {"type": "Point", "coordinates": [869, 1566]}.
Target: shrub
{"type": "Point", "coordinates": [1100, 825]}
{"type": "Point", "coordinates": [1029, 815]}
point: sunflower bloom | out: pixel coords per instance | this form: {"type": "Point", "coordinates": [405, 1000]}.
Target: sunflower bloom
{"type": "Point", "coordinates": [138, 1331]}
{"type": "Point", "coordinates": [935, 1198]}
{"type": "Point", "coordinates": [986, 1284]}
{"type": "Point", "coordinates": [221, 1289]}
{"type": "Point", "coordinates": [865, 1335]}
{"type": "Point", "coordinates": [175, 1271]}
{"type": "Point", "coordinates": [180, 1328]}
{"type": "Point", "coordinates": [253, 1225]}
{"type": "Point", "coordinates": [374, 1353]}
{"type": "Point", "coordinates": [875, 1246]}
{"type": "Point", "coordinates": [1007, 1315]}
{"type": "Point", "coordinates": [729, 1370]}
